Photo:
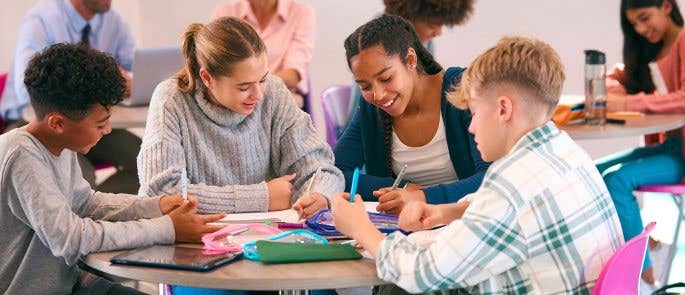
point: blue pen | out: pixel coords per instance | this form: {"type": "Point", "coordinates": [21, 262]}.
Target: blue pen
{"type": "Point", "coordinates": [355, 181]}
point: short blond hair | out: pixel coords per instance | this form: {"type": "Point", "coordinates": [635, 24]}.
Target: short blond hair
{"type": "Point", "coordinates": [528, 64]}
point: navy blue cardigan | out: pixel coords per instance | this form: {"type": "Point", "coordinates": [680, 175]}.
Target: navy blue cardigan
{"type": "Point", "coordinates": [362, 145]}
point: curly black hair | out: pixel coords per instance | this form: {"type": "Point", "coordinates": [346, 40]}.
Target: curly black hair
{"type": "Point", "coordinates": [71, 80]}
{"type": "Point", "coordinates": [446, 12]}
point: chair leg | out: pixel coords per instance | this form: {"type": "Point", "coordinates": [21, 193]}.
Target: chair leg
{"type": "Point", "coordinates": [680, 202]}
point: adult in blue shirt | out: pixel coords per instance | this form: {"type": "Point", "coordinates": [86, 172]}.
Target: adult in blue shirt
{"type": "Point", "coordinates": [428, 17]}
{"type": "Point", "coordinates": [94, 24]}
{"type": "Point", "coordinates": [405, 119]}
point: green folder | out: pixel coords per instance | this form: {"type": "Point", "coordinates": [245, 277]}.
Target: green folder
{"type": "Point", "coordinates": [282, 252]}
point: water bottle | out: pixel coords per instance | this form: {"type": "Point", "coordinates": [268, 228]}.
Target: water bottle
{"type": "Point", "coordinates": [595, 87]}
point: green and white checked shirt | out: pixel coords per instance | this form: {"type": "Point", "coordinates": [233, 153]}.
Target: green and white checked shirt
{"type": "Point", "coordinates": [542, 222]}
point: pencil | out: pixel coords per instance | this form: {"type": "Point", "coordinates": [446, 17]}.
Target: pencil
{"type": "Point", "coordinates": [399, 178]}
{"type": "Point", "coordinates": [312, 180]}
{"type": "Point", "coordinates": [355, 182]}
{"type": "Point", "coordinates": [184, 184]}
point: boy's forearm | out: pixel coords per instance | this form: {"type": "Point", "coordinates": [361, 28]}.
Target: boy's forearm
{"type": "Point", "coordinates": [369, 238]}
{"type": "Point", "coordinates": [453, 211]}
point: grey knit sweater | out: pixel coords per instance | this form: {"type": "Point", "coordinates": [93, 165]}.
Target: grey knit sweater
{"type": "Point", "coordinates": [229, 157]}
{"type": "Point", "coordinates": [50, 218]}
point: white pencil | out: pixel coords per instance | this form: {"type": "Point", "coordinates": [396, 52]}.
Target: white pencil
{"type": "Point", "coordinates": [184, 184]}
{"type": "Point", "coordinates": [311, 181]}
{"type": "Point", "coordinates": [399, 178]}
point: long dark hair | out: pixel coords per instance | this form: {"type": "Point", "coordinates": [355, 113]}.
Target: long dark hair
{"type": "Point", "coordinates": [396, 35]}
{"type": "Point", "coordinates": [637, 51]}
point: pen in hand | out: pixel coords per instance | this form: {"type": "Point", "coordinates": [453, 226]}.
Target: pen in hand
{"type": "Point", "coordinates": [399, 178]}
{"type": "Point", "coordinates": [184, 184]}
{"type": "Point", "coordinates": [309, 190]}
{"type": "Point", "coordinates": [312, 180]}
{"type": "Point", "coordinates": [355, 182]}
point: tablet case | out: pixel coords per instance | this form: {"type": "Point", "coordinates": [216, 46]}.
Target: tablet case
{"type": "Point", "coordinates": [280, 252]}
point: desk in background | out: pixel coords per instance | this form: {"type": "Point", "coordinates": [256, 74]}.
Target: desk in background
{"type": "Point", "coordinates": [647, 124]}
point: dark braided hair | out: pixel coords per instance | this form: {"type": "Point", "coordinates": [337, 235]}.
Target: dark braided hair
{"type": "Point", "coordinates": [396, 36]}
{"type": "Point", "coordinates": [637, 51]}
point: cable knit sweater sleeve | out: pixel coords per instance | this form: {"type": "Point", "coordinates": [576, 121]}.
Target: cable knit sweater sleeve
{"type": "Point", "coordinates": [296, 148]}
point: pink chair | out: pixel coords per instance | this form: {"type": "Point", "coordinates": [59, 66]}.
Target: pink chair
{"type": "Point", "coordinates": [621, 275]}
{"type": "Point", "coordinates": [677, 192]}
{"type": "Point", "coordinates": [335, 101]}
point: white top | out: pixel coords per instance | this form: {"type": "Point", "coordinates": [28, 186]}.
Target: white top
{"type": "Point", "coordinates": [657, 78]}
{"type": "Point", "coordinates": [427, 165]}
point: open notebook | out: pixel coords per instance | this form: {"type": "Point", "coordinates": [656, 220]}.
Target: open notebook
{"type": "Point", "coordinates": [288, 215]}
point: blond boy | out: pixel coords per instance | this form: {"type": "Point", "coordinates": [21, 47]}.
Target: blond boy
{"type": "Point", "coordinates": [542, 220]}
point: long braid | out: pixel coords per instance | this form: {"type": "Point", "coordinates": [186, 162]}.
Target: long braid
{"type": "Point", "coordinates": [386, 128]}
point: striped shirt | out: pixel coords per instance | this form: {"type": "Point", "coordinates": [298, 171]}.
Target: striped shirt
{"type": "Point", "coordinates": [542, 222]}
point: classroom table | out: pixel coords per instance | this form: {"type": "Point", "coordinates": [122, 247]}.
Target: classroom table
{"type": "Point", "coordinates": [122, 117]}
{"type": "Point", "coordinates": [250, 275]}
{"type": "Point", "coordinates": [636, 126]}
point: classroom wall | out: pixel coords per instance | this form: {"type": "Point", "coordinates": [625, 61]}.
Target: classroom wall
{"type": "Point", "coordinates": [569, 26]}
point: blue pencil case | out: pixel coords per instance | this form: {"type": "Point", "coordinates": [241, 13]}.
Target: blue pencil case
{"type": "Point", "coordinates": [300, 236]}
{"type": "Point", "coordinates": [322, 223]}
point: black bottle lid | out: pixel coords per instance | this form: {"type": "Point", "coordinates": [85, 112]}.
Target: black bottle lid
{"type": "Point", "coordinates": [594, 57]}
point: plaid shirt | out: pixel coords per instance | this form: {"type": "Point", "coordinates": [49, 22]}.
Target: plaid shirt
{"type": "Point", "coordinates": [542, 222]}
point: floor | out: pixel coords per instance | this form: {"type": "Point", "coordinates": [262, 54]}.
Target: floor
{"type": "Point", "coordinates": [660, 208]}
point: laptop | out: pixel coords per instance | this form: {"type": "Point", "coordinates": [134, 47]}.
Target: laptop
{"type": "Point", "coordinates": [150, 67]}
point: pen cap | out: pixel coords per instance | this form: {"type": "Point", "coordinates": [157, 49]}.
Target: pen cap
{"type": "Point", "coordinates": [594, 57]}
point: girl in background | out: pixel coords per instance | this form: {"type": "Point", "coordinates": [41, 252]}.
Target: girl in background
{"type": "Point", "coordinates": [651, 82]}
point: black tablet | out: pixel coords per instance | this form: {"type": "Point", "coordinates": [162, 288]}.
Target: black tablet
{"type": "Point", "coordinates": [176, 257]}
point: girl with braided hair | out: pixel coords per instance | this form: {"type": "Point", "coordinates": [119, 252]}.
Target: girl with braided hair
{"type": "Point", "coordinates": [428, 17]}
{"type": "Point", "coordinates": [405, 119]}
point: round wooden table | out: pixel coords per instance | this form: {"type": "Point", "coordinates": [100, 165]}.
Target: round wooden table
{"type": "Point", "coordinates": [122, 117]}
{"type": "Point", "coordinates": [250, 275]}
{"type": "Point", "coordinates": [647, 124]}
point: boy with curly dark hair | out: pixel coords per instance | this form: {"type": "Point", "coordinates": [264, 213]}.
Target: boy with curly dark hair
{"type": "Point", "coordinates": [49, 215]}
{"type": "Point", "coordinates": [429, 16]}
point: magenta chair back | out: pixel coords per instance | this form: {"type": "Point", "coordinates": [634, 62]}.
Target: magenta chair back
{"type": "Point", "coordinates": [621, 275]}
{"type": "Point", "coordinates": [335, 102]}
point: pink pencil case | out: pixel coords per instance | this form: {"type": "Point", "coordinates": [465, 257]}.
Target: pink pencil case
{"type": "Point", "coordinates": [232, 237]}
